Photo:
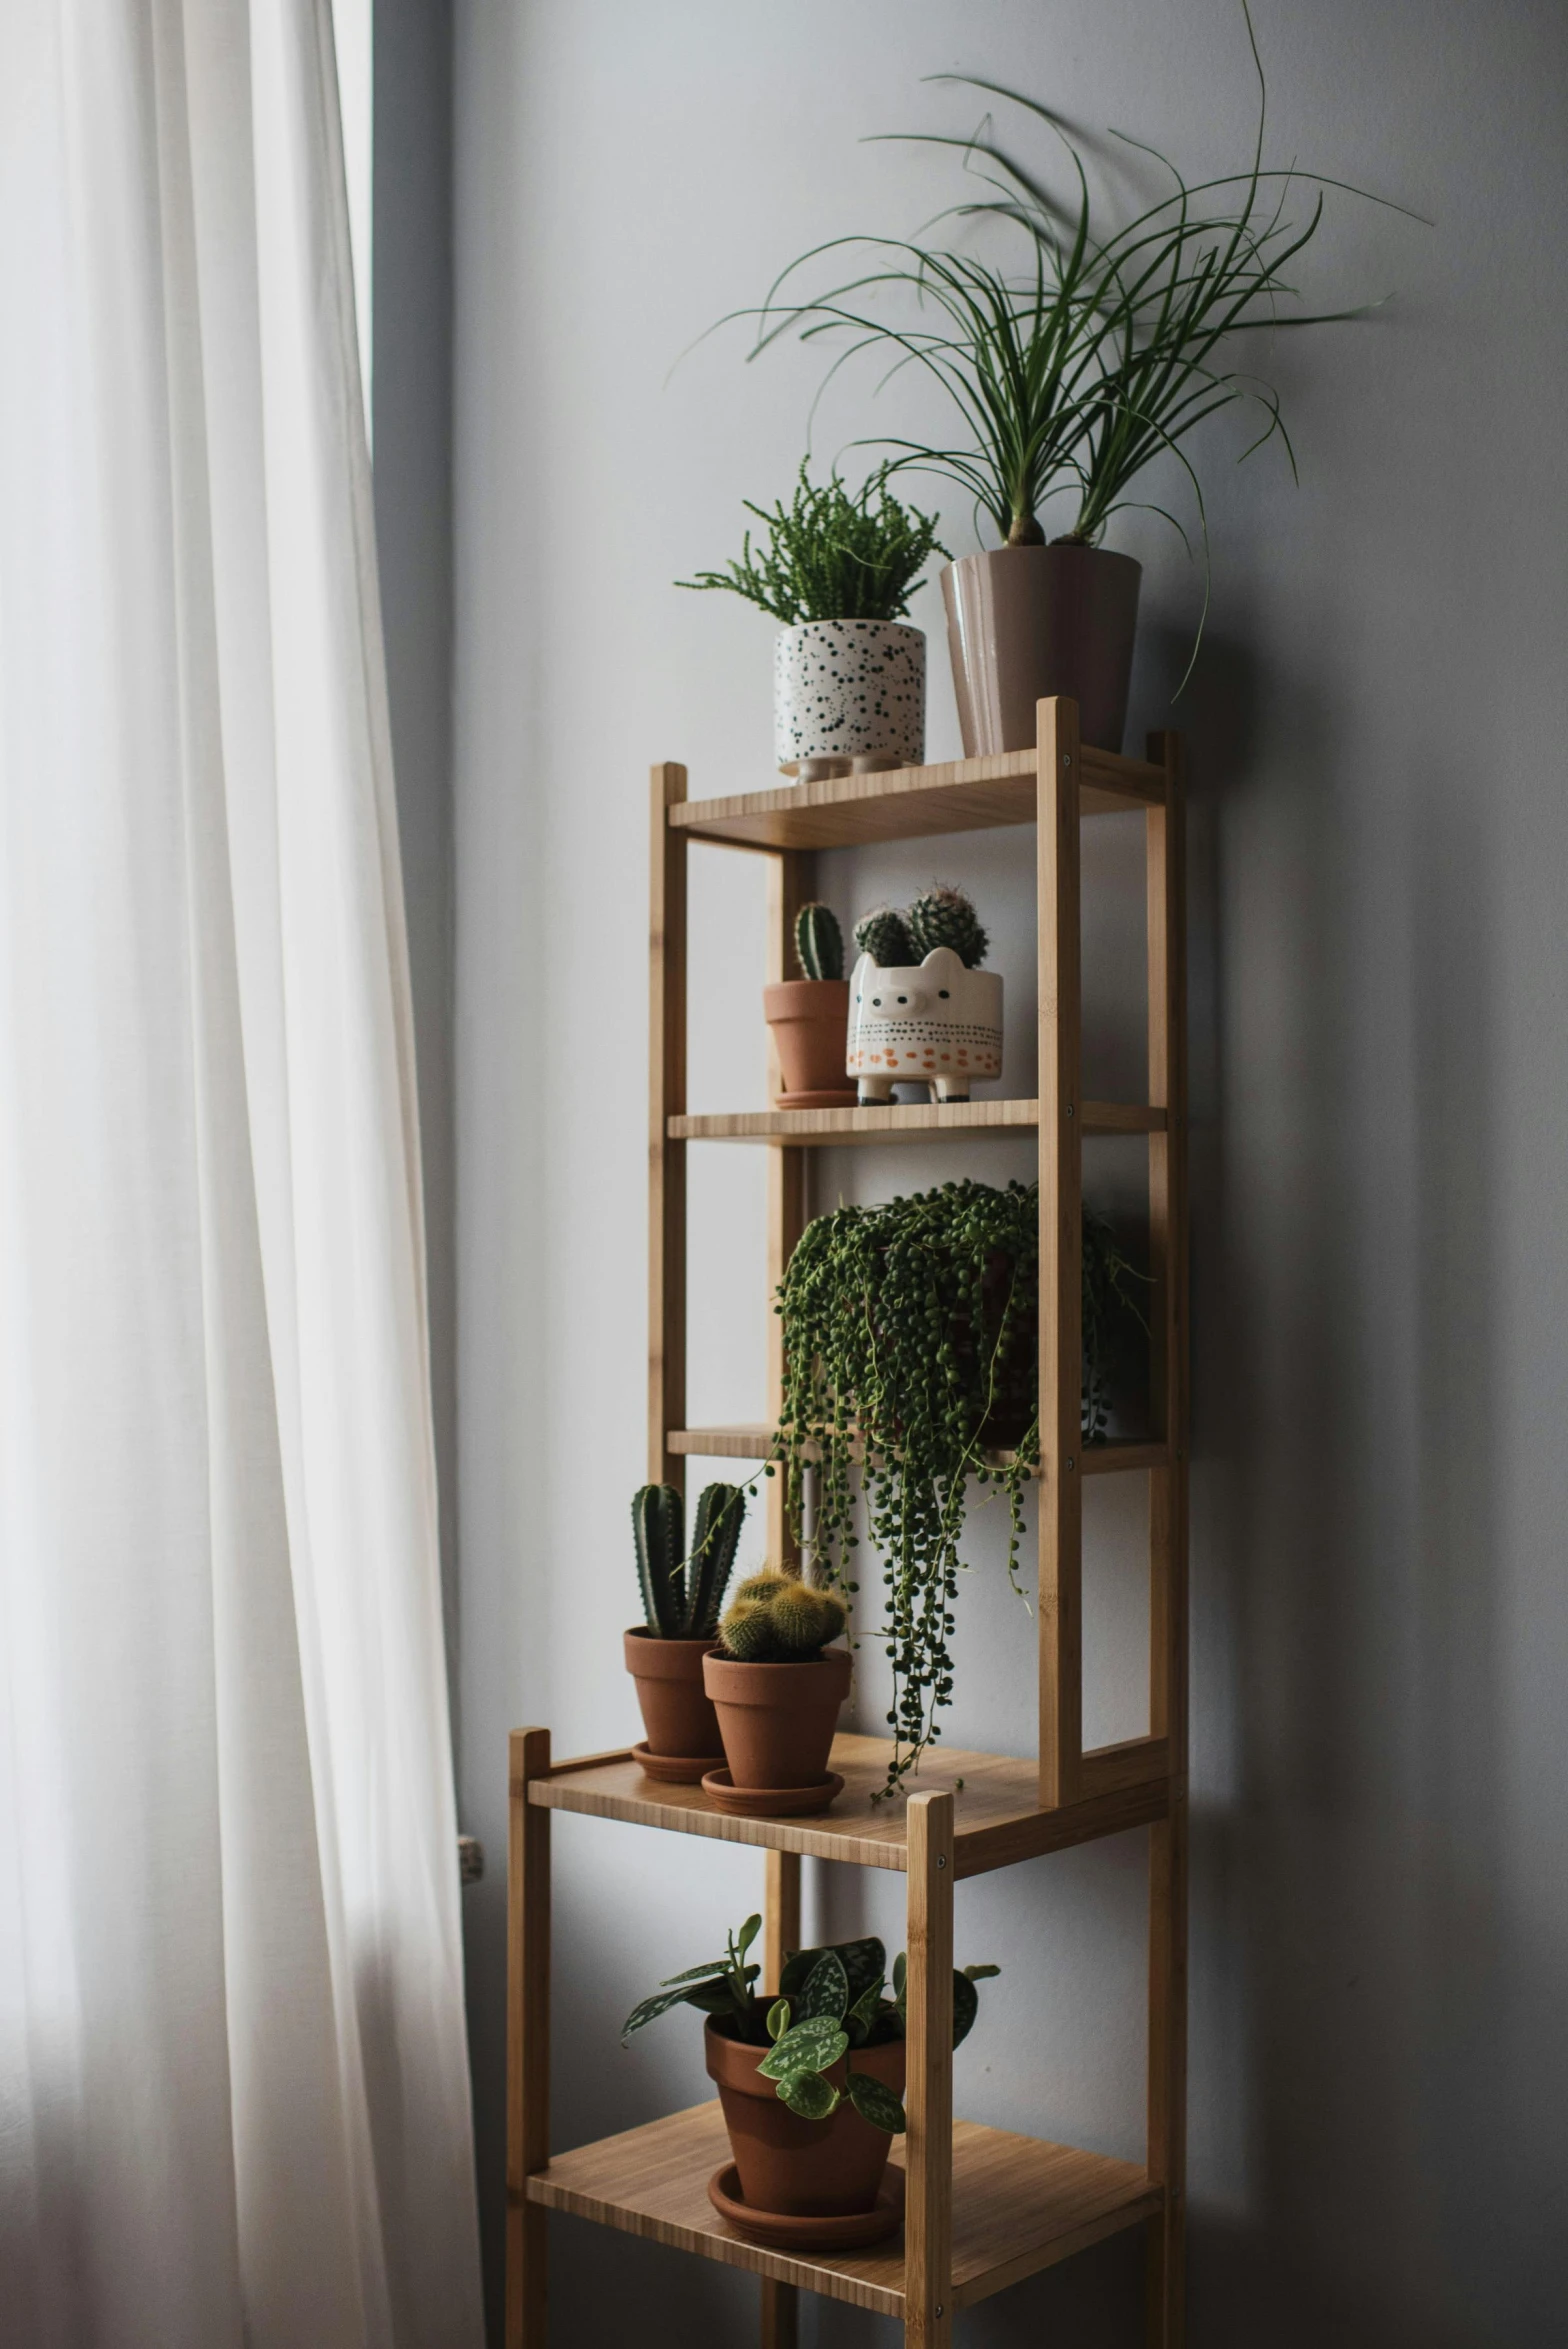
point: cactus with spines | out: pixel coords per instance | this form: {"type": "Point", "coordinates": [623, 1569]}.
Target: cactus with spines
{"type": "Point", "coordinates": [944, 917]}
{"type": "Point", "coordinates": [819, 942]}
{"type": "Point", "coordinates": [682, 1595]}
{"type": "Point", "coordinates": [778, 1619]}
{"type": "Point", "coordinates": [885, 937]}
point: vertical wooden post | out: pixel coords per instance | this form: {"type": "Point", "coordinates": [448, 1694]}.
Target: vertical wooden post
{"type": "Point", "coordinates": [791, 876]}
{"type": "Point", "coordinates": [780, 1935]}
{"type": "Point", "coordinates": [1061, 1258]}
{"type": "Point", "coordinates": [666, 1159]}
{"type": "Point", "coordinates": [527, 2041]}
{"type": "Point", "coordinates": [780, 1914]}
{"type": "Point", "coordinates": [928, 2094]}
{"type": "Point", "coordinates": [1167, 2098]}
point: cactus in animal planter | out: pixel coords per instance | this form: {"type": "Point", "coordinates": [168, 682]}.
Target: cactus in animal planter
{"type": "Point", "coordinates": [819, 942]}
{"type": "Point", "coordinates": [945, 917]}
{"type": "Point", "coordinates": [778, 1619]}
{"type": "Point", "coordinates": [885, 937]}
{"type": "Point", "coordinates": [681, 1596]}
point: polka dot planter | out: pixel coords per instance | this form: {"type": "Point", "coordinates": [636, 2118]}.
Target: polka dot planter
{"type": "Point", "coordinates": [934, 1023]}
{"type": "Point", "coordinates": [848, 693]}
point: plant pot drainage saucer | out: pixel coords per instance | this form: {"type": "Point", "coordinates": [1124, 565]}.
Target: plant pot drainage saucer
{"type": "Point", "coordinates": [674, 1769]}
{"type": "Point", "coordinates": [841, 1097]}
{"type": "Point", "coordinates": [775, 1802]}
{"type": "Point", "coordinates": [787, 2231]}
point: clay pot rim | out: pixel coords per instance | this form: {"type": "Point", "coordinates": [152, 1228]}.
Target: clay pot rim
{"type": "Point", "coordinates": [658, 1640]}
{"type": "Point", "coordinates": [1069, 549]}
{"type": "Point", "coordinates": [829, 1655]}
{"type": "Point", "coordinates": [776, 987]}
{"type": "Point", "coordinates": [904, 627]}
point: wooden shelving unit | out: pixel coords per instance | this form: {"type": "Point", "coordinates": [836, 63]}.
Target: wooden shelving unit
{"type": "Point", "coordinates": [983, 2208]}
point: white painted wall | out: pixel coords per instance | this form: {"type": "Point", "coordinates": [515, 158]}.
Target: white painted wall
{"type": "Point", "coordinates": [1380, 983]}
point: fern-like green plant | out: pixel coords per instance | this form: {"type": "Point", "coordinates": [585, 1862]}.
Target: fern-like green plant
{"type": "Point", "coordinates": [832, 554]}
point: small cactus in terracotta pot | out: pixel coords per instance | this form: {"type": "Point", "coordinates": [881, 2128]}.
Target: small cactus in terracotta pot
{"type": "Point", "coordinates": [776, 1682]}
{"type": "Point", "coordinates": [682, 1595]}
{"type": "Point", "coordinates": [808, 1017]}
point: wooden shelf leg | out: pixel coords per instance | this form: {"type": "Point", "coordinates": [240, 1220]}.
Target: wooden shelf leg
{"type": "Point", "coordinates": [666, 1159]}
{"type": "Point", "coordinates": [527, 2042]}
{"type": "Point", "coordinates": [928, 2094]}
{"type": "Point", "coordinates": [780, 2315]}
{"type": "Point", "coordinates": [780, 1914]}
{"type": "Point", "coordinates": [1061, 1257]}
{"type": "Point", "coordinates": [791, 878]}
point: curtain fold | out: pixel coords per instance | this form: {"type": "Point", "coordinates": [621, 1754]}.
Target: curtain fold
{"type": "Point", "coordinates": [233, 2084]}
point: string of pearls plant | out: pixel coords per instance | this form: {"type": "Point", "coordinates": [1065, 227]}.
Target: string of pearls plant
{"type": "Point", "coordinates": [911, 1339]}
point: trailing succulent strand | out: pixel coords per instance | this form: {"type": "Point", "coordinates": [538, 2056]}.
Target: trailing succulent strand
{"type": "Point", "coordinates": [943, 916]}
{"type": "Point", "coordinates": [819, 942]}
{"type": "Point", "coordinates": [884, 937]}
{"type": "Point", "coordinates": [831, 2001]}
{"type": "Point", "coordinates": [778, 1619]}
{"type": "Point", "coordinates": [681, 1594]}
{"type": "Point", "coordinates": [911, 1336]}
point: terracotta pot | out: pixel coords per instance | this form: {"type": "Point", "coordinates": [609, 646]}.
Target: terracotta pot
{"type": "Point", "coordinates": [1025, 622]}
{"type": "Point", "coordinates": [676, 1710]}
{"type": "Point", "coordinates": [777, 1720]}
{"type": "Point", "coordinates": [821, 2169]}
{"type": "Point", "coordinates": [810, 1023]}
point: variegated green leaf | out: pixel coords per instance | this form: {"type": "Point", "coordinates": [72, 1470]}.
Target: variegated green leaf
{"type": "Point", "coordinates": [809, 2095]}
{"type": "Point", "coordinates": [876, 2104]}
{"type": "Point", "coordinates": [826, 1988]}
{"type": "Point", "coordinates": [810, 2047]}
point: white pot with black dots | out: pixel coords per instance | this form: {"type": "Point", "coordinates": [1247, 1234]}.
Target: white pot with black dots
{"type": "Point", "coordinates": [933, 1022]}
{"type": "Point", "coordinates": [848, 695]}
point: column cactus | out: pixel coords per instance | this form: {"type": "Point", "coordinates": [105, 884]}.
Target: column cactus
{"type": "Point", "coordinates": [819, 942]}
{"type": "Point", "coordinates": [681, 1595]}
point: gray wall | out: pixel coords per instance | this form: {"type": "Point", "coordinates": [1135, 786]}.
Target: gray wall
{"type": "Point", "coordinates": [1380, 830]}
{"type": "Point", "coordinates": [411, 397]}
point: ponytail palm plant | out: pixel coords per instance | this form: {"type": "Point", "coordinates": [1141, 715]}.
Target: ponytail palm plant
{"type": "Point", "coordinates": [1072, 370]}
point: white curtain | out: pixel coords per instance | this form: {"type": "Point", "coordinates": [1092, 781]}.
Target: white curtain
{"type": "Point", "coordinates": [233, 2087]}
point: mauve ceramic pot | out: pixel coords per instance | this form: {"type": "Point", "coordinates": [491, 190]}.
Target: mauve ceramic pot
{"type": "Point", "coordinates": [676, 1709]}
{"type": "Point", "coordinates": [1027, 622]}
{"type": "Point", "coordinates": [816, 2169]}
{"type": "Point", "coordinates": [777, 1720]}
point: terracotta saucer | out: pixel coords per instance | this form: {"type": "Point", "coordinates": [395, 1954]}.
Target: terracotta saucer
{"type": "Point", "coordinates": [784, 2231]}
{"type": "Point", "coordinates": [839, 1098]}
{"type": "Point", "coordinates": [674, 1769]}
{"type": "Point", "coordinates": [771, 1802]}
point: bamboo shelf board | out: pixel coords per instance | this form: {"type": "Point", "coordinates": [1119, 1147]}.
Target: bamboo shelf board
{"type": "Point", "coordinates": [908, 803]}
{"type": "Point", "coordinates": [998, 1819]}
{"type": "Point", "coordinates": [1019, 2204]}
{"type": "Point", "coordinates": [915, 1121]}
{"type": "Point", "coordinates": [1121, 1455]}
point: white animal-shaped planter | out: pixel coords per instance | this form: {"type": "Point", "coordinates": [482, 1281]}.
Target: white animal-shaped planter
{"type": "Point", "coordinates": [934, 1022]}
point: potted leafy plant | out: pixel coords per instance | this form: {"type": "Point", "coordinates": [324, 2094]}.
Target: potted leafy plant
{"type": "Point", "coordinates": [810, 2083]}
{"type": "Point", "coordinates": [911, 1342]}
{"type": "Point", "coordinates": [921, 1010]}
{"type": "Point", "coordinates": [809, 1016]}
{"type": "Point", "coordinates": [849, 679]}
{"type": "Point", "coordinates": [777, 1685]}
{"type": "Point", "coordinates": [681, 1597]}
{"type": "Point", "coordinates": [1072, 361]}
